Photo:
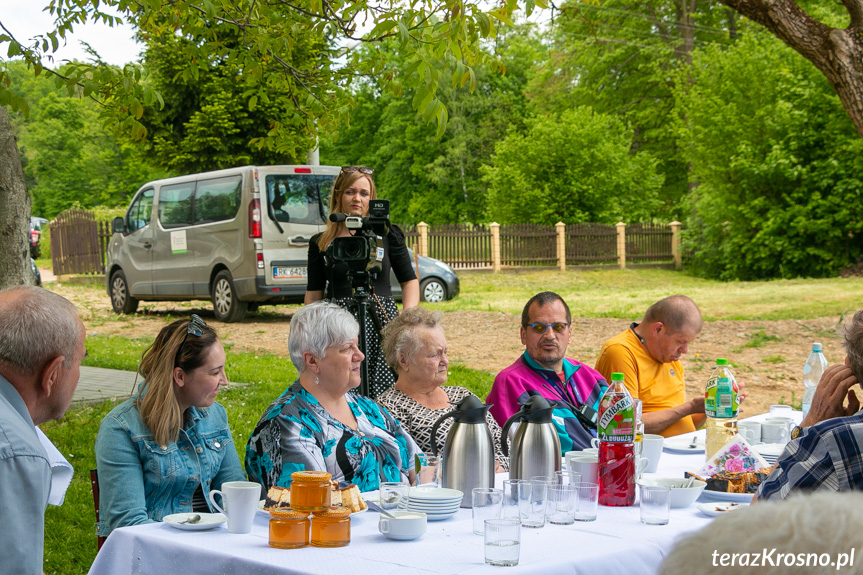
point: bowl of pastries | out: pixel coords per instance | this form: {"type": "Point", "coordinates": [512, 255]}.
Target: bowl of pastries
{"type": "Point", "coordinates": [341, 495]}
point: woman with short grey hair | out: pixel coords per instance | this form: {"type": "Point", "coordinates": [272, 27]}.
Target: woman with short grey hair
{"type": "Point", "coordinates": [414, 345]}
{"type": "Point", "coordinates": [319, 423]}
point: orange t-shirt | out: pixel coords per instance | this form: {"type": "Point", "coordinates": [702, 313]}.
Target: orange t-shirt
{"type": "Point", "coordinates": [658, 385]}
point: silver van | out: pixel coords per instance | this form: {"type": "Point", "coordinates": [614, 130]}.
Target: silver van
{"type": "Point", "coordinates": [238, 237]}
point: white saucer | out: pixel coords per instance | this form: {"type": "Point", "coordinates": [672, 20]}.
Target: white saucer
{"type": "Point", "coordinates": [682, 443]}
{"type": "Point", "coordinates": [208, 521]}
{"type": "Point", "coordinates": [720, 507]}
{"type": "Point", "coordinates": [441, 517]}
{"type": "Point", "coordinates": [435, 494]}
{"type": "Point", "coordinates": [708, 495]}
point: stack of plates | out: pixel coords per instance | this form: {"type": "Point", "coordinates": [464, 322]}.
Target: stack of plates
{"type": "Point", "coordinates": [769, 451]}
{"type": "Point", "coordinates": [436, 503]}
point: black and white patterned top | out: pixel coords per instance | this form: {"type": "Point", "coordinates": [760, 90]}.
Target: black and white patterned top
{"type": "Point", "coordinates": [419, 419]}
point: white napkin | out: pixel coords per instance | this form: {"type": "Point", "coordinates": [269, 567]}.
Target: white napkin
{"type": "Point", "coordinates": [736, 455]}
{"type": "Point", "coordinates": [61, 471]}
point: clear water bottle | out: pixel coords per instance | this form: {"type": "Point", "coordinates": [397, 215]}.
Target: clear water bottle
{"type": "Point", "coordinates": [813, 369]}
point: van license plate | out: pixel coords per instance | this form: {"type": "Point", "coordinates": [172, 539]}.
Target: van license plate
{"type": "Point", "coordinates": [280, 273]}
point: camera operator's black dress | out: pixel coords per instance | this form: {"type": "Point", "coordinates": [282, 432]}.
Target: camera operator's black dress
{"type": "Point", "coordinates": [396, 256]}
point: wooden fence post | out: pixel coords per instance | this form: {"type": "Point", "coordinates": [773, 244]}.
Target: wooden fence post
{"type": "Point", "coordinates": [423, 229]}
{"type": "Point", "coordinates": [495, 247]}
{"type": "Point", "coordinates": [675, 244]}
{"type": "Point", "coordinates": [561, 245]}
{"type": "Point", "coordinates": [621, 245]}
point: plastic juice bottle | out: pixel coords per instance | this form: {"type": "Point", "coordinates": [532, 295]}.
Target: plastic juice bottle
{"type": "Point", "coordinates": [813, 369]}
{"type": "Point", "coordinates": [721, 403]}
{"type": "Point", "coordinates": [616, 429]}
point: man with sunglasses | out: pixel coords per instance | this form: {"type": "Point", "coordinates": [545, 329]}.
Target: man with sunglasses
{"type": "Point", "coordinates": [648, 354]}
{"type": "Point", "coordinates": [573, 387]}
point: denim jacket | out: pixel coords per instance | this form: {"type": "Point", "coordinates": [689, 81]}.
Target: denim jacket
{"type": "Point", "coordinates": [142, 482]}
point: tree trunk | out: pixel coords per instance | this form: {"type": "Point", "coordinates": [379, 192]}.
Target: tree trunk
{"type": "Point", "coordinates": [838, 54]}
{"type": "Point", "coordinates": [14, 211]}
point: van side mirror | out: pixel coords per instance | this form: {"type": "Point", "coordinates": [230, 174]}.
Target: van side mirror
{"type": "Point", "coordinates": [118, 224]}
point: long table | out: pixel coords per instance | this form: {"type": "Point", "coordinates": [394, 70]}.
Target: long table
{"type": "Point", "coordinates": [615, 543]}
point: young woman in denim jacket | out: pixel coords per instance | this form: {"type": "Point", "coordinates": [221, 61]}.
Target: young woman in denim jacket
{"type": "Point", "coordinates": [163, 450]}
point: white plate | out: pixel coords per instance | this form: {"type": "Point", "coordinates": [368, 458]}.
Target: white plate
{"type": "Point", "coordinates": [707, 495]}
{"type": "Point", "coordinates": [451, 509]}
{"type": "Point", "coordinates": [769, 450]}
{"type": "Point", "coordinates": [434, 517]}
{"type": "Point", "coordinates": [208, 521]}
{"type": "Point", "coordinates": [681, 444]}
{"type": "Point", "coordinates": [435, 494]}
{"type": "Point", "coordinates": [266, 512]}
{"type": "Point", "coordinates": [720, 507]}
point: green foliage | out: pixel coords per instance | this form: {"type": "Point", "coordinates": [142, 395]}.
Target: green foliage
{"type": "Point", "coordinates": [784, 201]}
{"type": "Point", "coordinates": [572, 167]}
{"type": "Point", "coordinates": [438, 180]}
{"type": "Point", "coordinates": [440, 42]}
{"type": "Point", "coordinates": [216, 119]}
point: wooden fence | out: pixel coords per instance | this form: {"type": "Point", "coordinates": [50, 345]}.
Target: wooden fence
{"type": "Point", "coordinates": [75, 245]}
{"type": "Point", "coordinates": [79, 244]}
{"type": "Point", "coordinates": [466, 246]}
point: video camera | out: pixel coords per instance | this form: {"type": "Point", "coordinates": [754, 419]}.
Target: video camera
{"type": "Point", "coordinates": [363, 251]}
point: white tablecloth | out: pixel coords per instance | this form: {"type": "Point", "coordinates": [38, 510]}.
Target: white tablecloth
{"type": "Point", "coordinates": [615, 543]}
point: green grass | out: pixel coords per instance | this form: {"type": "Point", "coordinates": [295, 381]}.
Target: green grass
{"type": "Point", "coordinates": [70, 542]}
{"type": "Point", "coordinates": [774, 359]}
{"type": "Point", "coordinates": [759, 339]}
{"type": "Point", "coordinates": [627, 293]}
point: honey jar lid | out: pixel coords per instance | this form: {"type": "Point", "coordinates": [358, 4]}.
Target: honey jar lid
{"type": "Point", "coordinates": [288, 513]}
{"type": "Point", "coordinates": [313, 476]}
{"type": "Point", "coordinates": [334, 512]}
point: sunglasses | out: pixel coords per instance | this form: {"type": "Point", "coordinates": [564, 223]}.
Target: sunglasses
{"type": "Point", "coordinates": [538, 328]}
{"type": "Point", "coordinates": [360, 169]}
{"type": "Point", "coordinates": [196, 327]}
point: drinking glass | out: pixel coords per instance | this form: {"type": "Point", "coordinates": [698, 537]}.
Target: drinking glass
{"type": "Point", "coordinates": [655, 504]}
{"type": "Point", "coordinates": [429, 470]}
{"type": "Point", "coordinates": [510, 499]}
{"type": "Point", "coordinates": [560, 509]}
{"type": "Point", "coordinates": [502, 542]}
{"type": "Point", "coordinates": [394, 495]}
{"type": "Point", "coordinates": [587, 501]}
{"type": "Point", "coordinates": [532, 497]}
{"type": "Point", "coordinates": [567, 477]}
{"type": "Point", "coordinates": [487, 504]}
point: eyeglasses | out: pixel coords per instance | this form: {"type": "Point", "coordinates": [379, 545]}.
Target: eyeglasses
{"type": "Point", "coordinates": [196, 327]}
{"type": "Point", "coordinates": [360, 169]}
{"type": "Point", "coordinates": [539, 328]}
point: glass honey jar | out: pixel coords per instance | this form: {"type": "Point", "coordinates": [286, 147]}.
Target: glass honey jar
{"type": "Point", "coordinates": [289, 529]}
{"type": "Point", "coordinates": [332, 527]}
{"type": "Point", "coordinates": [310, 490]}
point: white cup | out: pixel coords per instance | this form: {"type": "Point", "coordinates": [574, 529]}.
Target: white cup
{"type": "Point", "coordinates": [594, 443]}
{"type": "Point", "coordinates": [787, 421]}
{"type": "Point", "coordinates": [651, 450]}
{"type": "Point", "coordinates": [774, 432]}
{"type": "Point", "coordinates": [778, 410]}
{"type": "Point", "coordinates": [403, 526]}
{"type": "Point", "coordinates": [750, 430]}
{"type": "Point", "coordinates": [240, 499]}
{"type": "Point", "coordinates": [587, 465]}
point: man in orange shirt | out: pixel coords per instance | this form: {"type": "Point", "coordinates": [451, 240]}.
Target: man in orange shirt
{"type": "Point", "coordinates": [648, 355]}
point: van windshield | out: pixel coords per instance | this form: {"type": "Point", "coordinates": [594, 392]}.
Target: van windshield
{"type": "Point", "coordinates": [298, 198]}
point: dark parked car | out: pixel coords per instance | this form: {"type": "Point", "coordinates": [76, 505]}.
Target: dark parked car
{"type": "Point", "coordinates": [37, 277]}
{"type": "Point", "coordinates": [438, 281]}
{"type": "Point", "coordinates": [36, 225]}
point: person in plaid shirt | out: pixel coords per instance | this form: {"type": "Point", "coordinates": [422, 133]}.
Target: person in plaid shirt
{"type": "Point", "coordinates": [826, 449]}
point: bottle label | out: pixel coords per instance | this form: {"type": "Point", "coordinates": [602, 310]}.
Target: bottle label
{"type": "Point", "coordinates": [616, 419]}
{"type": "Point", "coordinates": [720, 399]}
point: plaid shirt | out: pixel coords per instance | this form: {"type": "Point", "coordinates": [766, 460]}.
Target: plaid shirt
{"type": "Point", "coordinates": [827, 456]}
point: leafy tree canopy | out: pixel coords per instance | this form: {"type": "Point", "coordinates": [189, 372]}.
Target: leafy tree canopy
{"type": "Point", "coordinates": [778, 164]}
{"type": "Point", "coordinates": [572, 167]}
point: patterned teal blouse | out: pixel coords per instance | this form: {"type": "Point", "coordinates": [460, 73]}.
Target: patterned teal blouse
{"type": "Point", "coordinates": [297, 434]}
